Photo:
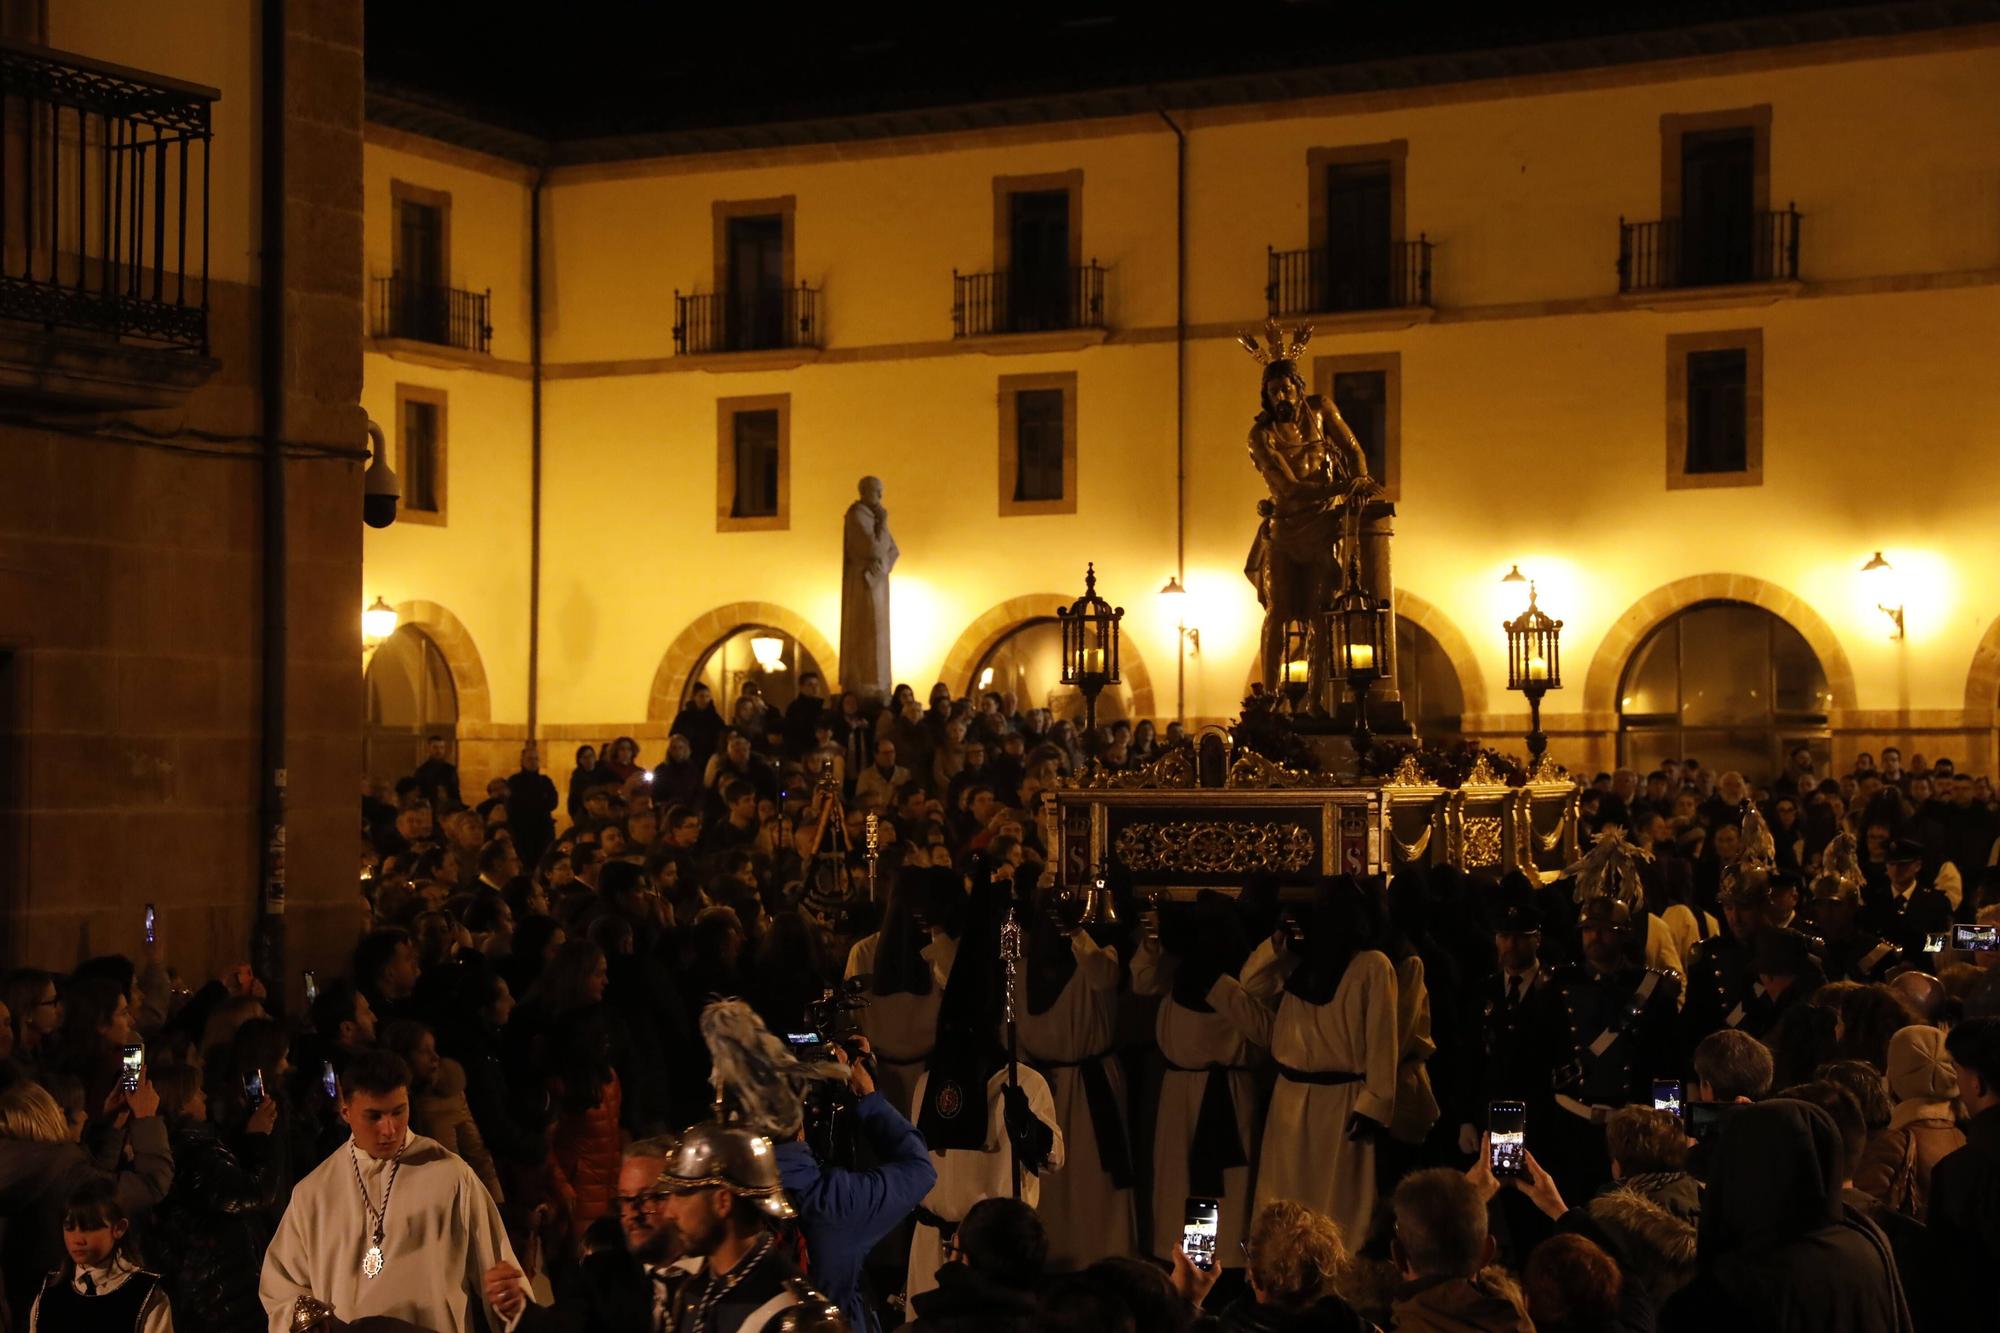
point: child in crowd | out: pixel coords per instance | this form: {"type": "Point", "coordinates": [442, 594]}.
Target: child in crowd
{"type": "Point", "coordinates": [102, 1285]}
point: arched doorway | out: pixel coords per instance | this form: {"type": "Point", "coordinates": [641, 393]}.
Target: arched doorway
{"type": "Point", "coordinates": [1027, 660]}
{"type": "Point", "coordinates": [759, 658]}
{"type": "Point", "coordinates": [1728, 683]}
{"type": "Point", "coordinates": [410, 695]}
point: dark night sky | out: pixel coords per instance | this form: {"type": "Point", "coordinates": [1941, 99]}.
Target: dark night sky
{"type": "Point", "coordinates": [590, 67]}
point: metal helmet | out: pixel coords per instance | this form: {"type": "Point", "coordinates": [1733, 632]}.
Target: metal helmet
{"type": "Point", "coordinates": [1839, 878]}
{"type": "Point", "coordinates": [1610, 871]}
{"type": "Point", "coordinates": [713, 1155]}
{"type": "Point", "coordinates": [1748, 881]}
{"type": "Point", "coordinates": [813, 1314]}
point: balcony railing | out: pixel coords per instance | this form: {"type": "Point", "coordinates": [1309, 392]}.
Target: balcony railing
{"type": "Point", "coordinates": [428, 314]}
{"type": "Point", "coordinates": [1761, 247]}
{"type": "Point", "coordinates": [757, 320]}
{"type": "Point", "coordinates": [1027, 301]}
{"type": "Point", "coordinates": [103, 198]}
{"type": "Point", "coordinates": [1310, 282]}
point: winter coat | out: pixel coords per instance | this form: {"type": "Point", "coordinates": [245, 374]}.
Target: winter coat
{"type": "Point", "coordinates": [440, 1112]}
{"type": "Point", "coordinates": [1329, 1314]}
{"type": "Point", "coordinates": [587, 1154]}
{"type": "Point", "coordinates": [36, 1180]}
{"type": "Point", "coordinates": [1896, 1168]}
{"type": "Point", "coordinates": [1777, 1251]}
{"type": "Point", "coordinates": [1965, 1214]}
{"type": "Point", "coordinates": [1488, 1303]}
{"type": "Point", "coordinates": [1653, 1246]}
{"type": "Point", "coordinates": [968, 1302]}
{"type": "Point", "coordinates": [208, 1237]}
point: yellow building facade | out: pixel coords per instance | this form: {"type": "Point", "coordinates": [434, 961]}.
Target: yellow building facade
{"type": "Point", "coordinates": [1535, 414]}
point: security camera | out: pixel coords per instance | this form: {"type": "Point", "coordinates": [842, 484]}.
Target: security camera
{"type": "Point", "coordinates": [380, 490]}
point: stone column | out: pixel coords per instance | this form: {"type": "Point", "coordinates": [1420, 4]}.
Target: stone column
{"type": "Point", "coordinates": [1385, 701]}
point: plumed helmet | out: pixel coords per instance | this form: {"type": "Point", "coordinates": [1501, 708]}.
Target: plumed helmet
{"type": "Point", "coordinates": [1749, 880]}
{"type": "Point", "coordinates": [813, 1314]}
{"type": "Point", "coordinates": [713, 1155]}
{"type": "Point", "coordinates": [1839, 878]}
{"type": "Point", "coordinates": [1610, 871]}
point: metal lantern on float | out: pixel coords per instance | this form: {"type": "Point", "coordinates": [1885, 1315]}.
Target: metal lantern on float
{"type": "Point", "coordinates": [1295, 669]}
{"type": "Point", "coordinates": [1534, 663]}
{"type": "Point", "coordinates": [1360, 647]}
{"type": "Point", "coordinates": [1090, 645]}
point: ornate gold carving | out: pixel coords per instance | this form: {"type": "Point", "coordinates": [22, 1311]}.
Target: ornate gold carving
{"type": "Point", "coordinates": [1407, 774]}
{"type": "Point", "coordinates": [1548, 770]}
{"type": "Point", "coordinates": [1172, 771]}
{"type": "Point", "coordinates": [1216, 847]}
{"type": "Point", "coordinates": [1482, 774]}
{"type": "Point", "coordinates": [1254, 770]}
{"type": "Point", "coordinates": [1482, 841]}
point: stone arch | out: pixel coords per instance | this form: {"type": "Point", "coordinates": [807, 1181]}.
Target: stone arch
{"type": "Point", "coordinates": [694, 643]}
{"type": "Point", "coordinates": [461, 654]}
{"type": "Point", "coordinates": [1600, 687]}
{"type": "Point", "coordinates": [983, 633]}
{"type": "Point", "coordinates": [1982, 680]}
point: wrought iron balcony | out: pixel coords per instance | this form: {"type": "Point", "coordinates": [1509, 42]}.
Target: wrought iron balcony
{"type": "Point", "coordinates": [1310, 282]}
{"type": "Point", "coordinates": [424, 313]}
{"type": "Point", "coordinates": [103, 199]}
{"type": "Point", "coordinates": [1759, 247]}
{"type": "Point", "coordinates": [760, 319]}
{"type": "Point", "coordinates": [1027, 301]}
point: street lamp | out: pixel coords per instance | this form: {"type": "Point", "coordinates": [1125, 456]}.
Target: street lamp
{"type": "Point", "coordinates": [1360, 648]}
{"type": "Point", "coordinates": [1534, 666]}
{"type": "Point", "coordinates": [378, 622]}
{"type": "Point", "coordinates": [1175, 598]}
{"type": "Point", "coordinates": [1882, 587]}
{"type": "Point", "coordinates": [1089, 645]}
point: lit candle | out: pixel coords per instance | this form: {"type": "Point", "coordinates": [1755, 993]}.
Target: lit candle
{"type": "Point", "coordinates": [1093, 661]}
{"type": "Point", "coordinates": [1360, 657]}
{"type": "Point", "coordinates": [1538, 667]}
{"type": "Point", "coordinates": [1297, 671]}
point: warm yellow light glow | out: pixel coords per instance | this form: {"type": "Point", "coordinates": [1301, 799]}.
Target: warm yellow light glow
{"type": "Point", "coordinates": [1093, 661]}
{"type": "Point", "coordinates": [1538, 667]}
{"type": "Point", "coordinates": [1297, 671]}
{"type": "Point", "coordinates": [769, 652]}
{"type": "Point", "coordinates": [1360, 657]}
{"type": "Point", "coordinates": [986, 678]}
{"type": "Point", "coordinates": [378, 621]}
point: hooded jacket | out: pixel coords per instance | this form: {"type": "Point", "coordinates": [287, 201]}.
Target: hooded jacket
{"type": "Point", "coordinates": [441, 1112]}
{"type": "Point", "coordinates": [1965, 1213]}
{"type": "Point", "coordinates": [1922, 1130]}
{"type": "Point", "coordinates": [1486, 1303]}
{"type": "Point", "coordinates": [1776, 1250]}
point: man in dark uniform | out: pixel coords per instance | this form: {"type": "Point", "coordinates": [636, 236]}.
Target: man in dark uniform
{"type": "Point", "coordinates": [1906, 912]}
{"type": "Point", "coordinates": [1851, 953]}
{"type": "Point", "coordinates": [1510, 1007]}
{"type": "Point", "coordinates": [1788, 971]}
{"type": "Point", "coordinates": [1620, 1033]}
{"type": "Point", "coordinates": [1722, 987]}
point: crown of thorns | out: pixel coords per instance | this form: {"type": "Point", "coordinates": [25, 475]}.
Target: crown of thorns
{"type": "Point", "coordinates": [1279, 344]}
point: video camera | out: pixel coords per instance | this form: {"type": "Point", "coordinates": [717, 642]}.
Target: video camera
{"type": "Point", "coordinates": [827, 1103]}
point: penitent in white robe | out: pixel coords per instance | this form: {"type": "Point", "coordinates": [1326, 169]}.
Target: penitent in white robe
{"type": "Point", "coordinates": [1307, 1155]}
{"type": "Point", "coordinates": [1087, 1217]}
{"type": "Point", "coordinates": [443, 1233]}
{"type": "Point", "coordinates": [901, 1027]}
{"type": "Point", "coordinates": [964, 1177]}
{"type": "Point", "coordinates": [1229, 1035]}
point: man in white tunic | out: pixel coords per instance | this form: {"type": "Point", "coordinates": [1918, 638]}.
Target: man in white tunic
{"type": "Point", "coordinates": [1335, 1042]}
{"type": "Point", "coordinates": [392, 1225]}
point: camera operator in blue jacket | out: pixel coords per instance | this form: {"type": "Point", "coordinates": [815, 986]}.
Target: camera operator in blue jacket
{"type": "Point", "coordinates": [844, 1213]}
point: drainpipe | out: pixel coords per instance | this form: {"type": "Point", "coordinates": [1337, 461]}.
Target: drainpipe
{"type": "Point", "coordinates": [1180, 398]}
{"type": "Point", "coordinates": [535, 455]}
{"type": "Point", "coordinates": [267, 944]}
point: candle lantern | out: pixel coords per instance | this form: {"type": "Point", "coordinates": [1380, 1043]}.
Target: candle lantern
{"type": "Point", "coordinates": [1534, 665]}
{"type": "Point", "coordinates": [1360, 648]}
{"type": "Point", "coordinates": [1090, 645]}
{"type": "Point", "coordinates": [1295, 670]}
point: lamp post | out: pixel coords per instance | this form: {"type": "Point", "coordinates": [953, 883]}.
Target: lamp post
{"type": "Point", "coordinates": [1175, 596]}
{"type": "Point", "coordinates": [1089, 645]}
{"type": "Point", "coordinates": [1534, 666]}
{"type": "Point", "coordinates": [1360, 626]}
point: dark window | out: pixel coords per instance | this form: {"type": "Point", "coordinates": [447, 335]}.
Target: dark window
{"type": "Point", "coordinates": [756, 443]}
{"type": "Point", "coordinates": [1038, 444]}
{"type": "Point", "coordinates": [1718, 203]}
{"type": "Point", "coordinates": [1717, 422]}
{"type": "Point", "coordinates": [756, 297]}
{"type": "Point", "coordinates": [420, 302]}
{"type": "Point", "coordinates": [1357, 236]}
{"type": "Point", "coordinates": [420, 455]}
{"type": "Point", "coordinates": [1363, 399]}
{"type": "Point", "coordinates": [1038, 255]}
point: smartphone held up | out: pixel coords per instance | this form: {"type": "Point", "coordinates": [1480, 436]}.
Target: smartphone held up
{"type": "Point", "coordinates": [131, 1067]}
{"type": "Point", "coordinates": [1507, 1138]}
{"type": "Point", "coordinates": [1201, 1229]}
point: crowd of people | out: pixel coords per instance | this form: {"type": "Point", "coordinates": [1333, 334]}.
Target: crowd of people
{"type": "Point", "coordinates": [737, 1039]}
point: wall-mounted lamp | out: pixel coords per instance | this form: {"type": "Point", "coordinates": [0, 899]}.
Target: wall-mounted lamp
{"type": "Point", "coordinates": [1176, 601]}
{"type": "Point", "coordinates": [378, 622]}
{"type": "Point", "coordinates": [769, 652]}
{"type": "Point", "coordinates": [1514, 575]}
{"type": "Point", "coordinates": [1882, 588]}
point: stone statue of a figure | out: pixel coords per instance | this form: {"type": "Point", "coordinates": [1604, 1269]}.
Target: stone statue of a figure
{"type": "Point", "coordinates": [868, 554]}
{"type": "Point", "coordinates": [1317, 475]}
